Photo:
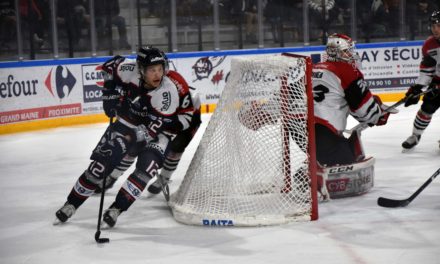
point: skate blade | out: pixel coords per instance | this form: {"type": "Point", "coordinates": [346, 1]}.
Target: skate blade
{"type": "Point", "coordinates": [57, 222]}
{"type": "Point", "coordinates": [150, 195]}
{"type": "Point", "coordinates": [405, 150]}
{"type": "Point", "coordinates": [105, 226]}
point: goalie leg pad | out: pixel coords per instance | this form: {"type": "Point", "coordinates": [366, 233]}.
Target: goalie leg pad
{"type": "Point", "coordinates": [333, 149]}
{"type": "Point", "coordinates": [350, 180]}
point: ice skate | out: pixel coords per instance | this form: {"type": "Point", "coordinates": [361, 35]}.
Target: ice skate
{"type": "Point", "coordinates": [111, 216]}
{"type": "Point", "coordinates": [156, 187]}
{"type": "Point", "coordinates": [410, 142]}
{"type": "Point", "coordinates": [64, 213]}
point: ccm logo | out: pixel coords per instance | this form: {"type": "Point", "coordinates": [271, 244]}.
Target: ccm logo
{"type": "Point", "coordinates": [341, 169]}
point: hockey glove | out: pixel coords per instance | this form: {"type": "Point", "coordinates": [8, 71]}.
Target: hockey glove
{"type": "Point", "coordinates": [413, 95]}
{"type": "Point", "coordinates": [384, 115]}
{"type": "Point", "coordinates": [383, 119]}
{"type": "Point", "coordinates": [158, 124]}
{"type": "Point", "coordinates": [110, 101]}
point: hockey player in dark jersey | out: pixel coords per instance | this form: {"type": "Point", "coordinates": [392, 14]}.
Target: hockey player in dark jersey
{"type": "Point", "coordinates": [429, 76]}
{"type": "Point", "coordinates": [146, 105]}
{"type": "Point", "coordinates": [189, 105]}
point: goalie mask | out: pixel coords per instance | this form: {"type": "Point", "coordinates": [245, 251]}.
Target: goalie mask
{"type": "Point", "coordinates": [148, 56]}
{"type": "Point", "coordinates": [340, 47]}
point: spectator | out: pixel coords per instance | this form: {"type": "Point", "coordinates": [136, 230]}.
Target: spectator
{"type": "Point", "coordinates": [107, 13]}
{"type": "Point", "coordinates": [7, 23]}
{"type": "Point", "coordinates": [202, 9]}
{"type": "Point", "coordinates": [392, 16]}
{"type": "Point", "coordinates": [250, 11]}
{"type": "Point", "coordinates": [73, 18]}
{"type": "Point", "coordinates": [378, 19]}
{"type": "Point", "coordinates": [324, 15]}
{"type": "Point", "coordinates": [272, 13]}
{"type": "Point", "coordinates": [418, 12]}
{"type": "Point", "coordinates": [184, 14]}
{"type": "Point", "coordinates": [32, 15]}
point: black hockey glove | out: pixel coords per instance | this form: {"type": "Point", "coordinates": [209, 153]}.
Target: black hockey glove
{"type": "Point", "coordinates": [413, 94]}
{"type": "Point", "coordinates": [110, 101]}
{"type": "Point", "coordinates": [157, 124]}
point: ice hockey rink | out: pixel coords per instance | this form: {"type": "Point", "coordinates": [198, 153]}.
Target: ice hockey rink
{"type": "Point", "coordinates": [38, 169]}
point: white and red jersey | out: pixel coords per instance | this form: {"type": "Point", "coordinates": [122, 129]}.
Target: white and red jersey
{"type": "Point", "coordinates": [167, 101]}
{"type": "Point", "coordinates": [430, 64]}
{"type": "Point", "coordinates": [187, 105]}
{"type": "Point", "coordinates": [339, 89]}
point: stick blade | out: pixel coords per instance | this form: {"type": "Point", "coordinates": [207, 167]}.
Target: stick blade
{"type": "Point", "coordinates": [100, 240]}
{"type": "Point", "coordinates": [391, 203]}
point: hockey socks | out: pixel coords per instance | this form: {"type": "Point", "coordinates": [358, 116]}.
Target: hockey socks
{"type": "Point", "coordinates": [81, 191]}
{"type": "Point", "coordinates": [421, 121]}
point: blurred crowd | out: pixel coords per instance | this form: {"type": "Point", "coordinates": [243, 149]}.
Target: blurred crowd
{"type": "Point", "coordinates": [283, 19]}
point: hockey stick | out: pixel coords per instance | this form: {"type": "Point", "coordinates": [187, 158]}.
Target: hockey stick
{"type": "Point", "coordinates": [391, 203]}
{"type": "Point", "coordinates": [98, 239]}
{"type": "Point", "coordinates": [362, 126]}
{"type": "Point", "coordinates": [165, 187]}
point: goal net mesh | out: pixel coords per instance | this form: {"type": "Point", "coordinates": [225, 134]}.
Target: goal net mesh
{"type": "Point", "coordinates": [253, 164]}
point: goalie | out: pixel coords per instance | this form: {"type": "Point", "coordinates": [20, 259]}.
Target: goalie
{"type": "Point", "coordinates": [339, 90]}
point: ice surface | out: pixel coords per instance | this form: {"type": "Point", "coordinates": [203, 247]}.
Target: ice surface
{"type": "Point", "coordinates": [38, 169]}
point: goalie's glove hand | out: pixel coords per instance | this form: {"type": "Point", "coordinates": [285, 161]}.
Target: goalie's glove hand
{"type": "Point", "coordinates": [110, 101]}
{"type": "Point", "coordinates": [413, 94]}
{"type": "Point", "coordinates": [383, 119]}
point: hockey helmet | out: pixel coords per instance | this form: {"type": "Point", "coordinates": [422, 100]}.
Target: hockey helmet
{"type": "Point", "coordinates": [435, 17]}
{"type": "Point", "coordinates": [340, 47]}
{"type": "Point", "coordinates": [148, 55]}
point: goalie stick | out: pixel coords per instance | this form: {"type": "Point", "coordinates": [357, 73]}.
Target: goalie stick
{"type": "Point", "coordinates": [391, 203]}
{"type": "Point", "coordinates": [389, 109]}
{"type": "Point", "coordinates": [99, 239]}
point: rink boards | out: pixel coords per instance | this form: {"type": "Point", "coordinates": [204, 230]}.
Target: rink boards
{"type": "Point", "coordinates": [51, 93]}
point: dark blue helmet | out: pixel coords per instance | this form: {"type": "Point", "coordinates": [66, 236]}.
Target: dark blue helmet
{"type": "Point", "coordinates": [435, 17]}
{"type": "Point", "coordinates": [148, 55]}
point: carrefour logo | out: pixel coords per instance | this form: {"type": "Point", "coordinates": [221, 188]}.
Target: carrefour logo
{"type": "Point", "coordinates": [60, 81]}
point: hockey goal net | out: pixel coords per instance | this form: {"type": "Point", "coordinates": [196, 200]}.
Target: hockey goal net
{"type": "Point", "coordinates": [255, 164]}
